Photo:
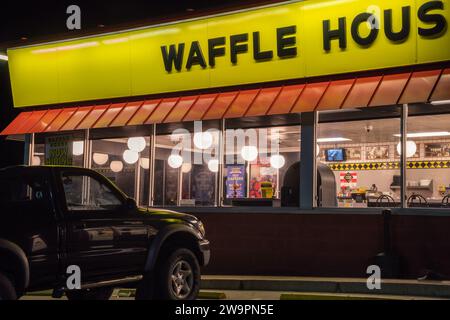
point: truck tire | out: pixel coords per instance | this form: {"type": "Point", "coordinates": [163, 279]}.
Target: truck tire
{"type": "Point", "coordinates": [7, 291]}
{"type": "Point", "coordinates": [90, 294]}
{"type": "Point", "coordinates": [177, 276]}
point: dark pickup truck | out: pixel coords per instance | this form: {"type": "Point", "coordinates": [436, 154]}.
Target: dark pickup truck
{"type": "Point", "coordinates": [57, 221]}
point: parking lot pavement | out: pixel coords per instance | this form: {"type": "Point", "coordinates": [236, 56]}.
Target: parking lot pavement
{"type": "Point", "coordinates": [272, 295]}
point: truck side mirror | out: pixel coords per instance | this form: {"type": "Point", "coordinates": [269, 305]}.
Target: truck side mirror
{"type": "Point", "coordinates": [131, 204]}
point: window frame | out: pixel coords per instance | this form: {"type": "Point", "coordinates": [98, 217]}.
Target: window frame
{"type": "Point", "coordinates": [151, 131]}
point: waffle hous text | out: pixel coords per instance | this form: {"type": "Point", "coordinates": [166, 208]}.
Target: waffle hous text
{"type": "Point", "coordinates": [344, 29]}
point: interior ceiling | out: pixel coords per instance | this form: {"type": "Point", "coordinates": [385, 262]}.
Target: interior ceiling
{"type": "Point", "coordinates": [382, 130]}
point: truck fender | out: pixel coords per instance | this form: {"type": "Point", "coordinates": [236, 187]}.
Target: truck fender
{"type": "Point", "coordinates": [159, 240]}
{"type": "Point", "coordinates": [14, 260]}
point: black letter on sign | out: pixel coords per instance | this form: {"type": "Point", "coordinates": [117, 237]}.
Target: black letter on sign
{"type": "Point", "coordinates": [259, 55]}
{"type": "Point", "coordinates": [236, 47]}
{"type": "Point", "coordinates": [285, 44]}
{"type": "Point", "coordinates": [329, 35]}
{"type": "Point", "coordinates": [214, 52]}
{"type": "Point", "coordinates": [173, 57]}
{"type": "Point", "coordinates": [437, 19]}
{"type": "Point", "coordinates": [403, 34]}
{"type": "Point", "coordinates": [363, 18]}
{"type": "Point", "coordinates": [195, 56]}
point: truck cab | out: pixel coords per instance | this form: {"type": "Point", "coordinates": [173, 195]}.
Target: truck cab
{"type": "Point", "coordinates": [55, 218]}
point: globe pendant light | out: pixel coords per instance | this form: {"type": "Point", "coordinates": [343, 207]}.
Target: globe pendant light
{"type": "Point", "coordinates": [411, 148]}
{"type": "Point", "coordinates": [100, 158]}
{"type": "Point", "coordinates": [116, 166]}
{"type": "Point", "coordinates": [277, 161]}
{"type": "Point", "coordinates": [249, 153]}
{"type": "Point", "coordinates": [78, 148]}
{"type": "Point", "coordinates": [130, 156]}
{"type": "Point", "coordinates": [175, 161]}
{"type": "Point", "coordinates": [137, 144]}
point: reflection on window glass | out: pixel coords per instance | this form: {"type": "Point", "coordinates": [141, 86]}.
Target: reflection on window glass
{"type": "Point", "coordinates": [86, 193]}
{"type": "Point", "coordinates": [358, 163]}
{"type": "Point", "coordinates": [125, 161]}
{"type": "Point", "coordinates": [256, 162]}
{"type": "Point", "coordinates": [186, 167]}
{"type": "Point", "coordinates": [428, 158]}
{"type": "Point", "coordinates": [60, 149]}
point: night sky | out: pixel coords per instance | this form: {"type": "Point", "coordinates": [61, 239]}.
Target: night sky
{"type": "Point", "coordinates": [22, 23]}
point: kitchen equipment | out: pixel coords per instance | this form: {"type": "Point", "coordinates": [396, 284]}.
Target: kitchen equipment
{"type": "Point", "coordinates": [424, 182]}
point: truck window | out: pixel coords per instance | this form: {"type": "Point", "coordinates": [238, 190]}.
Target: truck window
{"type": "Point", "coordinates": [84, 193]}
{"type": "Point", "coordinates": [21, 189]}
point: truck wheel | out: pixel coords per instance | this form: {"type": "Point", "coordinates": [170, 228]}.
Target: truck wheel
{"type": "Point", "coordinates": [90, 294]}
{"type": "Point", "coordinates": [179, 276]}
{"type": "Point", "coordinates": [7, 291]}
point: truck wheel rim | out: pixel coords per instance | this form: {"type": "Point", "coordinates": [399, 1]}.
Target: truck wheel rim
{"type": "Point", "coordinates": [181, 279]}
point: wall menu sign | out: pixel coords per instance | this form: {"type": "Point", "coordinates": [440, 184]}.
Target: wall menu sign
{"type": "Point", "coordinates": [277, 42]}
{"type": "Point", "coordinates": [58, 150]}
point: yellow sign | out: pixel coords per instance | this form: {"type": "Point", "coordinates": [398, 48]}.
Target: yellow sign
{"type": "Point", "coordinates": [285, 41]}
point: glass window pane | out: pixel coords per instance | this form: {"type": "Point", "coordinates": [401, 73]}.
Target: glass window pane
{"type": "Point", "coordinates": [186, 167]}
{"type": "Point", "coordinates": [59, 149]}
{"type": "Point", "coordinates": [428, 161]}
{"type": "Point", "coordinates": [256, 163]}
{"type": "Point", "coordinates": [358, 163]}
{"type": "Point", "coordinates": [125, 161]}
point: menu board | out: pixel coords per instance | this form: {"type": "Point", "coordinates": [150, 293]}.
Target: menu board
{"type": "Point", "coordinates": [437, 150]}
{"type": "Point", "coordinates": [235, 184]}
{"type": "Point", "coordinates": [58, 150]}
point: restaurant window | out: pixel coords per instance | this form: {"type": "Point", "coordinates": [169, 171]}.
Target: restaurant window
{"type": "Point", "coordinates": [357, 160]}
{"type": "Point", "coordinates": [126, 162]}
{"type": "Point", "coordinates": [256, 161]}
{"type": "Point", "coordinates": [59, 149]}
{"type": "Point", "coordinates": [186, 165]}
{"type": "Point", "coordinates": [428, 160]}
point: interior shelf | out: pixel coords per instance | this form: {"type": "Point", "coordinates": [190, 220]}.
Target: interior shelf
{"type": "Point", "coordinates": [428, 187]}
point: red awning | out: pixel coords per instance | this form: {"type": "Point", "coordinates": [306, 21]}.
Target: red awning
{"type": "Point", "coordinates": [390, 89]}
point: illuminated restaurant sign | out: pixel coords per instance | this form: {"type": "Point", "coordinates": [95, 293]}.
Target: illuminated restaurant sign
{"type": "Point", "coordinates": [278, 42]}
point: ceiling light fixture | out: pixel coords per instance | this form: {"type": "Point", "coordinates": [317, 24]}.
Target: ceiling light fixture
{"type": "Point", "coordinates": [145, 163]}
{"type": "Point", "coordinates": [249, 153]}
{"type": "Point", "coordinates": [425, 134]}
{"type": "Point", "coordinates": [186, 167]}
{"type": "Point", "coordinates": [175, 161]}
{"type": "Point", "coordinates": [213, 165]}
{"type": "Point", "coordinates": [130, 156]}
{"type": "Point", "coordinates": [441, 102]}
{"type": "Point", "coordinates": [411, 148]}
{"type": "Point", "coordinates": [78, 148]}
{"type": "Point", "coordinates": [337, 139]}
{"type": "Point", "coordinates": [203, 140]}
{"type": "Point", "coordinates": [100, 158]}
{"type": "Point", "coordinates": [137, 144]}
{"type": "Point", "coordinates": [277, 161]}
{"type": "Point", "coordinates": [116, 166]}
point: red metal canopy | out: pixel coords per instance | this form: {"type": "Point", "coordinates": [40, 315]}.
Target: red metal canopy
{"type": "Point", "coordinates": [409, 87]}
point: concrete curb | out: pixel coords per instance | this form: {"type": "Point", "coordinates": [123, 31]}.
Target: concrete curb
{"type": "Point", "coordinates": [351, 286]}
